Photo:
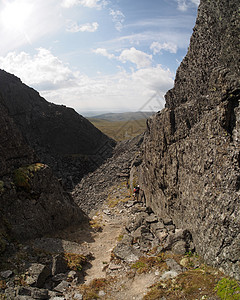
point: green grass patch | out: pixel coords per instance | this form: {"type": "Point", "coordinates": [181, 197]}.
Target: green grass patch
{"type": "Point", "coordinates": [228, 289]}
{"type": "Point", "coordinates": [190, 285]}
{"type": "Point", "coordinates": [75, 261]}
{"type": "Point", "coordinates": [22, 176]}
{"type": "Point", "coordinates": [145, 264]}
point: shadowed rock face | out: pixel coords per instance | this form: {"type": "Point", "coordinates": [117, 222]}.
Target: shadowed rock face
{"type": "Point", "coordinates": [60, 136]}
{"type": "Point", "coordinates": [32, 201]}
{"type": "Point", "coordinates": [191, 151]}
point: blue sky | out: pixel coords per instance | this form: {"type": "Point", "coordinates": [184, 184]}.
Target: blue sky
{"type": "Point", "coordinates": [97, 55]}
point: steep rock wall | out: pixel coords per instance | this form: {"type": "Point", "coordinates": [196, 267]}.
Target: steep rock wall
{"type": "Point", "coordinates": [32, 201]}
{"type": "Point", "coordinates": [191, 151]}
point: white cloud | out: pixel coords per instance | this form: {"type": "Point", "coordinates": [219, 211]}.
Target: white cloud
{"type": "Point", "coordinates": [118, 18]}
{"type": "Point", "coordinates": [183, 5]}
{"type": "Point", "coordinates": [43, 70]}
{"type": "Point", "coordinates": [86, 3]}
{"type": "Point", "coordinates": [59, 84]}
{"type": "Point", "coordinates": [88, 27]}
{"type": "Point", "coordinates": [157, 47]}
{"type": "Point", "coordinates": [104, 52]}
{"type": "Point", "coordinates": [141, 59]}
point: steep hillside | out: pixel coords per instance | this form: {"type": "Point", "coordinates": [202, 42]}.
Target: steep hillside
{"type": "Point", "coordinates": [32, 201]}
{"type": "Point", "coordinates": [65, 140]}
{"type": "Point", "coordinates": [191, 151]}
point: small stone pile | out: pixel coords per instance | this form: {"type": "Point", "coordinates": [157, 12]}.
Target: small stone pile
{"type": "Point", "coordinates": [144, 231]}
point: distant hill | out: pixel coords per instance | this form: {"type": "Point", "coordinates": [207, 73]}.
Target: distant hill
{"type": "Point", "coordinates": [121, 126]}
{"type": "Point", "coordinates": [127, 116]}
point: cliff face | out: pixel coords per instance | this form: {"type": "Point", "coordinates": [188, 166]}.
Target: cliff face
{"type": "Point", "coordinates": [191, 151]}
{"type": "Point", "coordinates": [62, 138]}
{"type": "Point", "coordinates": [32, 201]}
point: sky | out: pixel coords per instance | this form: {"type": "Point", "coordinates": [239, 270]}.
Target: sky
{"type": "Point", "coordinates": [97, 55]}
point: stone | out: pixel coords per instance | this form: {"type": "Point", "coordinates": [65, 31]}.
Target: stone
{"type": "Point", "coordinates": [72, 274]}
{"type": "Point", "coordinates": [114, 267]}
{"type": "Point", "coordinates": [167, 221]}
{"type": "Point", "coordinates": [40, 294]}
{"type": "Point", "coordinates": [161, 235]}
{"type": "Point", "coordinates": [78, 296]}
{"type": "Point", "coordinates": [61, 287]}
{"type": "Point", "coordinates": [126, 252]}
{"type": "Point", "coordinates": [157, 226]}
{"type": "Point", "coordinates": [59, 277]}
{"type": "Point", "coordinates": [151, 219]}
{"type": "Point", "coordinates": [169, 274]}
{"type": "Point", "coordinates": [170, 227]}
{"type": "Point", "coordinates": [179, 248]}
{"type": "Point", "coordinates": [6, 274]}
{"type": "Point", "coordinates": [37, 274]}
{"type": "Point", "coordinates": [59, 265]}
{"type": "Point", "coordinates": [184, 262]}
{"type": "Point", "coordinates": [173, 265]}
{"type": "Point", "coordinates": [101, 293]}
{"type": "Point", "coordinates": [24, 291]}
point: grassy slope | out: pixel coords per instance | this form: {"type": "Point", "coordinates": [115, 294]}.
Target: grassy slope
{"type": "Point", "coordinates": [120, 130]}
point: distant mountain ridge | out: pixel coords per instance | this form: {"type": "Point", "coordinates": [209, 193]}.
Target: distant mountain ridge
{"type": "Point", "coordinates": [126, 116]}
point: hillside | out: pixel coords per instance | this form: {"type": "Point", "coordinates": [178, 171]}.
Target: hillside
{"type": "Point", "coordinates": [62, 138]}
{"type": "Point", "coordinates": [32, 201]}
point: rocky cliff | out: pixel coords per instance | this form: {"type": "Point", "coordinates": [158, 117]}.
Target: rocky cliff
{"type": "Point", "coordinates": [32, 201]}
{"type": "Point", "coordinates": [191, 151]}
{"type": "Point", "coordinates": [61, 137]}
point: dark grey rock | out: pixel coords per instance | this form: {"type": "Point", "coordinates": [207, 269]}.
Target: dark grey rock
{"type": "Point", "coordinates": [173, 265]}
{"type": "Point", "coordinates": [37, 275]}
{"type": "Point", "coordinates": [151, 219]}
{"type": "Point", "coordinates": [59, 277]}
{"type": "Point", "coordinates": [59, 265]}
{"type": "Point", "coordinates": [167, 221]}
{"type": "Point", "coordinates": [126, 252]}
{"type": "Point", "coordinates": [157, 226]}
{"type": "Point", "coordinates": [61, 287]}
{"type": "Point", "coordinates": [24, 291]}
{"type": "Point", "coordinates": [179, 247]}
{"type": "Point", "coordinates": [6, 274]}
{"type": "Point", "coordinates": [40, 294]}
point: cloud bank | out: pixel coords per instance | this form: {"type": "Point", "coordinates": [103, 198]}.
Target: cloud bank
{"type": "Point", "coordinates": [58, 83]}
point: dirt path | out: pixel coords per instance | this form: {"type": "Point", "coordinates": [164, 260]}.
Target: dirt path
{"type": "Point", "coordinates": [104, 242]}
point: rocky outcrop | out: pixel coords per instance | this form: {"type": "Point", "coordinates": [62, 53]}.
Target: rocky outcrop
{"type": "Point", "coordinates": [191, 151]}
{"type": "Point", "coordinates": [32, 201]}
{"type": "Point", "coordinates": [61, 137]}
